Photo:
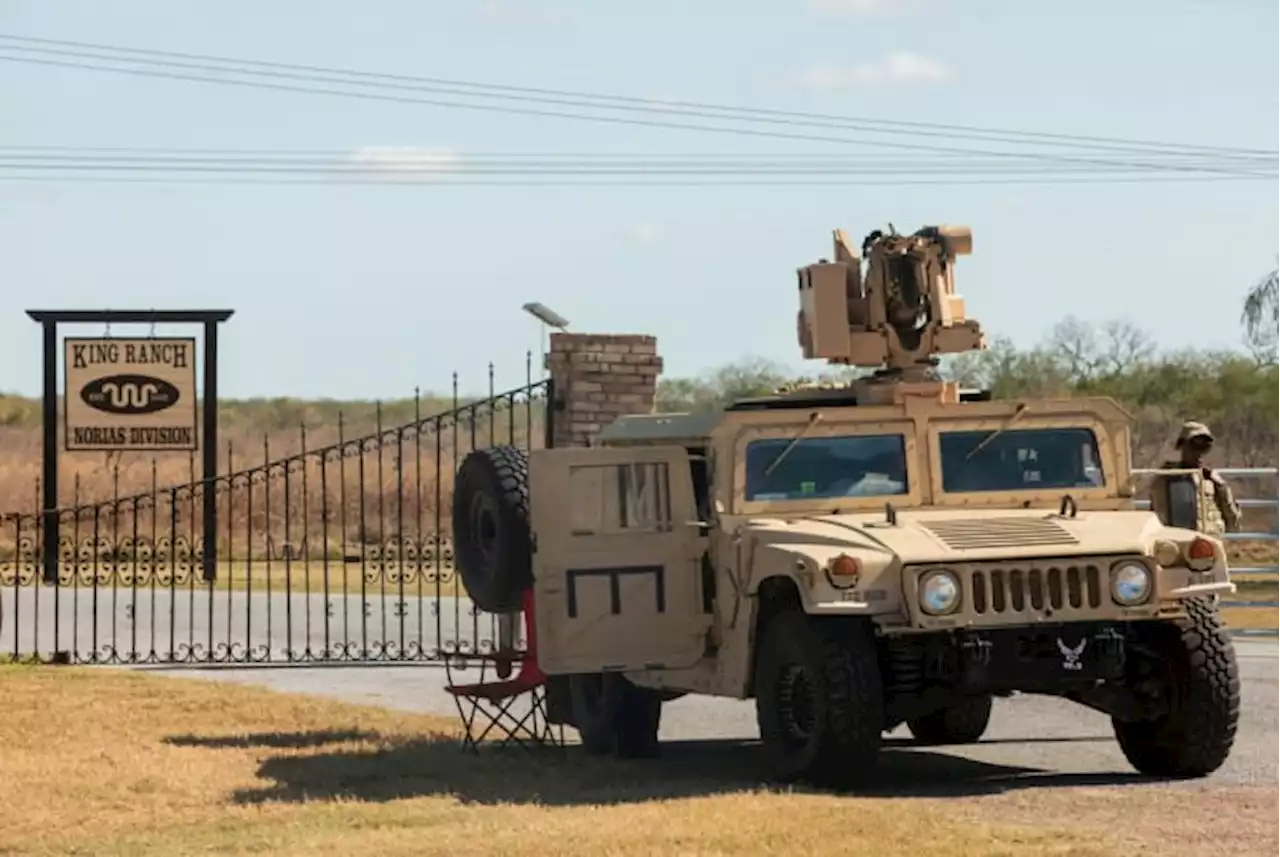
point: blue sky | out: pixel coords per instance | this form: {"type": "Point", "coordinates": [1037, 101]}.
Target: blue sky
{"type": "Point", "coordinates": [369, 291]}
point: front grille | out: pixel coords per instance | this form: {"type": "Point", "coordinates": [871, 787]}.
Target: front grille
{"type": "Point", "coordinates": [1016, 589]}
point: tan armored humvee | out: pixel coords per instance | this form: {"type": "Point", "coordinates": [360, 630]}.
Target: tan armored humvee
{"type": "Point", "coordinates": [894, 551]}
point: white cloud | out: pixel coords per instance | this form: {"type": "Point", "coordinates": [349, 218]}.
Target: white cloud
{"type": "Point", "coordinates": [895, 69]}
{"type": "Point", "coordinates": [514, 12]}
{"type": "Point", "coordinates": [409, 159]}
{"type": "Point", "coordinates": [645, 233]}
{"type": "Point", "coordinates": [852, 8]}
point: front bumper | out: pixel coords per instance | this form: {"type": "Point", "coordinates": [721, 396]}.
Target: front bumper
{"type": "Point", "coordinates": [1043, 658]}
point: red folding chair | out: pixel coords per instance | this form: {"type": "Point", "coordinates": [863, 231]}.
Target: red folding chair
{"type": "Point", "coordinates": [496, 701]}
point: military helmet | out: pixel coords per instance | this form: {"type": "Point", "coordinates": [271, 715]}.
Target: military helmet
{"type": "Point", "coordinates": [1192, 430]}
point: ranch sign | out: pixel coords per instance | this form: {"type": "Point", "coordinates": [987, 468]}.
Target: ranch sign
{"type": "Point", "coordinates": [124, 395]}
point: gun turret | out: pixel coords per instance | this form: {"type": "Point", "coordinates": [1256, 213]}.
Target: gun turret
{"type": "Point", "coordinates": [899, 315]}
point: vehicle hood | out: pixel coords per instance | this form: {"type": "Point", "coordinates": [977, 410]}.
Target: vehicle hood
{"type": "Point", "coordinates": [962, 535]}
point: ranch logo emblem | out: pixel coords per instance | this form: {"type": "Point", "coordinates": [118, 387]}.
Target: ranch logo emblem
{"type": "Point", "coordinates": [130, 394]}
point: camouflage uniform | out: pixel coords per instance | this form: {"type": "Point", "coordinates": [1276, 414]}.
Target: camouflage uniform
{"type": "Point", "coordinates": [1218, 510]}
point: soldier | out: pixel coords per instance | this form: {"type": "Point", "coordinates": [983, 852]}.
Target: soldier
{"type": "Point", "coordinates": [1218, 511]}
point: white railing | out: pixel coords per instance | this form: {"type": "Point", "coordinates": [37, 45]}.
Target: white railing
{"type": "Point", "coordinates": [1266, 573]}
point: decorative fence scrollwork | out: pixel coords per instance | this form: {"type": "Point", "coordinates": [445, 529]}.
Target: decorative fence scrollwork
{"type": "Point", "coordinates": [333, 554]}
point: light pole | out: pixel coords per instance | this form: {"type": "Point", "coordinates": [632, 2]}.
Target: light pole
{"type": "Point", "coordinates": [548, 317]}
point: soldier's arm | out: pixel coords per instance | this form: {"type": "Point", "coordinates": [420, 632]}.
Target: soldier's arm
{"type": "Point", "coordinates": [1227, 505]}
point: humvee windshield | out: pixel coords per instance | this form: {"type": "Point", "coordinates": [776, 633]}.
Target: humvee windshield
{"type": "Point", "coordinates": [827, 467]}
{"type": "Point", "coordinates": [1020, 460]}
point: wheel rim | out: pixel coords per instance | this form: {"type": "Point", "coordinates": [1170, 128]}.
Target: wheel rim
{"type": "Point", "coordinates": [797, 708]}
{"type": "Point", "coordinates": [483, 521]}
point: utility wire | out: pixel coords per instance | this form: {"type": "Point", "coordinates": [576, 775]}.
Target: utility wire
{"type": "Point", "coordinates": [1228, 167]}
{"type": "Point", "coordinates": [432, 165]}
{"type": "Point", "coordinates": [561, 182]}
{"type": "Point", "coordinates": [409, 156]}
{"type": "Point", "coordinates": [659, 105]}
{"type": "Point", "coordinates": [516, 168]}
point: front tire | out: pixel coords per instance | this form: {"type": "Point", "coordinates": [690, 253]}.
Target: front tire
{"type": "Point", "coordinates": [1202, 686]}
{"type": "Point", "coordinates": [819, 699]}
{"type": "Point", "coordinates": [962, 722]}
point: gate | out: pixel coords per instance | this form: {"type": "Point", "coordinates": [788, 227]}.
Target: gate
{"type": "Point", "coordinates": [335, 554]}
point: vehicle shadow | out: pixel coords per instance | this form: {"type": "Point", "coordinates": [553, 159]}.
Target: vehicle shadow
{"type": "Point", "coordinates": [401, 768]}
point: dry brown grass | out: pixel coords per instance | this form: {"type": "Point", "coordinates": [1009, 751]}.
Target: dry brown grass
{"type": "Point", "coordinates": [382, 492]}
{"type": "Point", "coordinates": [112, 763]}
{"type": "Point", "coordinates": [254, 434]}
{"type": "Point", "coordinates": [1251, 618]}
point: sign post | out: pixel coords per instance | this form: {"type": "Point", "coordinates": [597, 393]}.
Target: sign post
{"type": "Point", "coordinates": [130, 394]}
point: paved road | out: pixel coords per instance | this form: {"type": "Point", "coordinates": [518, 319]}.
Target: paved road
{"type": "Point", "coordinates": [161, 622]}
{"type": "Point", "coordinates": [1027, 733]}
{"type": "Point", "coordinates": [1029, 736]}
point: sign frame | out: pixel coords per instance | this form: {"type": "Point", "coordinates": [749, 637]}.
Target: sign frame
{"type": "Point", "coordinates": [69, 411]}
{"type": "Point", "coordinates": [49, 320]}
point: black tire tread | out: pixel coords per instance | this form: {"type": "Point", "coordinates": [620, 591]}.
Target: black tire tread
{"type": "Point", "coordinates": [505, 468]}
{"type": "Point", "coordinates": [848, 748]}
{"type": "Point", "coordinates": [615, 717]}
{"type": "Point", "coordinates": [1195, 740]}
{"type": "Point", "coordinates": [962, 722]}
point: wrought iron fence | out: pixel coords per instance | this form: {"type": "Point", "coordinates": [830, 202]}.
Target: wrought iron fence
{"type": "Point", "coordinates": [334, 554]}
{"type": "Point", "coordinates": [1255, 610]}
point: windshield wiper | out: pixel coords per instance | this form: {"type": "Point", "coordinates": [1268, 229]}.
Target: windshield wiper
{"type": "Point", "coordinates": [1017, 415]}
{"type": "Point", "coordinates": [814, 418]}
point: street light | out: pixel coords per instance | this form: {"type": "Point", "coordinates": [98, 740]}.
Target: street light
{"type": "Point", "coordinates": [548, 317]}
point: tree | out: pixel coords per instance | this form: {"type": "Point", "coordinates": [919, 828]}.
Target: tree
{"type": "Point", "coordinates": [1261, 317]}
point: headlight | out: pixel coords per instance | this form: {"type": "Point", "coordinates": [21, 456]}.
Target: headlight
{"type": "Point", "coordinates": [1130, 583]}
{"type": "Point", "coordinates": [939, 592]}
{"type": "Point", "coordinates": [1167, 553]}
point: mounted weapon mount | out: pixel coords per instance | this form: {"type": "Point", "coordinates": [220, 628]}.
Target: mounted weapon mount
{"type": "Point", "coordinates": [897, 317]}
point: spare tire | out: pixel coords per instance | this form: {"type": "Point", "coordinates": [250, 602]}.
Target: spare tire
{"type": "Point", "coordinates": [491, 536]}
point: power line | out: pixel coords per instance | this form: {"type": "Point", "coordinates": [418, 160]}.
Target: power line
{"type": "Point", "coordinates": [660, 105]}
{"type": "Point", "coordinates": [410, 155]}
{"type": "Point", "coordinates": [458, 162]}
{"type": "Point", "coordinates": [562, 182]}
{"type": "Point", "coordinates": [430, 165]}
{"type": "Point", "coordinates": [568, 169]}
{"type": "Point", "coordinates": [1229, 166]}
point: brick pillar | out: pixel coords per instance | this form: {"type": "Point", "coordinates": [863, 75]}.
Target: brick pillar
{"type": "Point", "coordinates": [597, 378]}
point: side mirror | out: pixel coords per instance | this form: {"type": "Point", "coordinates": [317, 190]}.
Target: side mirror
{"type": "Point", "coordinates": [1183, 501]}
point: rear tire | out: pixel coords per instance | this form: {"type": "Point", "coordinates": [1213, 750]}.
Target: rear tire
{"type": "Point", "coordinates": [614, 717]}
{"type": "Point", "coordinates": [962, 722]}
{"type": "Point", "coordinates": [1202, 684]}
{"type": "Point", "coordinates": [491, 536]}
{"type": "Point", "coordinates": [819, 699]}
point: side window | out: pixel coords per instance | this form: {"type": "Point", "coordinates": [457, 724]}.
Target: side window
{"type": "Point", "coordinates": [699, 472]}
{"type": "Point", "coordinates": [620, 498]}
{"type": "Point", "coordinates": [644, 496]}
